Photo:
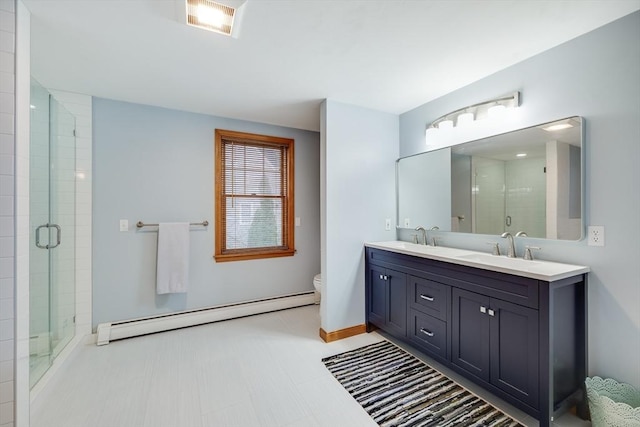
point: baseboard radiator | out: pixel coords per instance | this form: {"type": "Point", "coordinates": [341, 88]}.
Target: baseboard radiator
{"type": "Point", "coordinates": [107, 332]}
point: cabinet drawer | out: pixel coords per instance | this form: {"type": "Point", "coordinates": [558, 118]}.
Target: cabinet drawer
{"type": "Point", "coordinates": [429, 333]}
{"type": "Point", "coordinates": [429, 297]}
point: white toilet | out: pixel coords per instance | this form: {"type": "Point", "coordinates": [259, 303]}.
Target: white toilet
{"type": "Point", "coordinates": [317, 284]}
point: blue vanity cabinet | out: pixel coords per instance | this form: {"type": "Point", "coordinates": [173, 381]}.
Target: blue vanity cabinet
{"type": "Point", "coordinates": [520, 338]}
{"type": "Point", "coordinates": [496, 341]}
{"type": "Point", "coordinates": [387, 300]}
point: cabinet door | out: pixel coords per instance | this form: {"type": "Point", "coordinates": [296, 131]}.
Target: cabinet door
{"type": "Point", "coordinates": [377, 296]}
{"type": "Point", "coordinates": [397, 305]}
{"type": "Point", "coordinates": [514, 350]}
{"type": "Point", "coordinates": [470, 332]}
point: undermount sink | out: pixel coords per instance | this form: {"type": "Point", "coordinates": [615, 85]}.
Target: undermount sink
{"type": "Point", "coordinates": [537, 269]}
{"type": "Point", "coordinates": [424, 249]}
{"type": "Point", "coordinates": [501, 261]}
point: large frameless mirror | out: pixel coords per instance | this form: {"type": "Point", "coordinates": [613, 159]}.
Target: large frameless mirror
{"type": "Point", "coordinates": [529, 180]}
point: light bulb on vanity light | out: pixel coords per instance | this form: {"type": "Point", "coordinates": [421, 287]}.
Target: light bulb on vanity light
{"type": "Point", "coordinates": [496, 110]}
{"type": "Point", "coordinates": [430, 131]}
{"type": "Point", "coordinates": [464, 119]}
{"type": "Point", "coordinates": [445, 124]}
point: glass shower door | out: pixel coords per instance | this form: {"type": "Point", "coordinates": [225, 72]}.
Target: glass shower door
{"type": "Point", "coordinates": [52, 221]}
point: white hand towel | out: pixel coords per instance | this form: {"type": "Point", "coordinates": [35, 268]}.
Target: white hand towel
{"type": "Point", "coordinates": [173, 258]}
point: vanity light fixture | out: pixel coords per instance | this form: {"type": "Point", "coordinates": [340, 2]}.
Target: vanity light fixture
{"type": "Point", "coordinates": [213, 16]}
{"type": "Point", "coordinates": [478, 111]}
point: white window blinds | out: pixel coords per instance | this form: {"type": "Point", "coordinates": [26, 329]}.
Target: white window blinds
{"type": "Point", "coordinates": [255, 195]}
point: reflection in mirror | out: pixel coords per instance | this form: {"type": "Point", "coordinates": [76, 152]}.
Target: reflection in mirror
{"type": "Point", "coordinates": [528, 180]}
{"type": "Point", "coordinates": [423, 191]}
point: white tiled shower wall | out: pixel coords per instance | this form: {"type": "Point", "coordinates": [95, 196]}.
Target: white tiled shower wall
{"type": "Point", "coordinates": [7, 211]}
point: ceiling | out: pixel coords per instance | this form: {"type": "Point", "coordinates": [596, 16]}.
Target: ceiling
{"type": "Point", "coordinates": [387, 55]}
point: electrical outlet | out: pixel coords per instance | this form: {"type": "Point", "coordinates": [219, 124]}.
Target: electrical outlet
{"type": "Point", "coordinates": [595, 235]}
{"type": "Point", "coordinates": [407, 223]}
{"type": "Point", "coordinates": [387, 224]}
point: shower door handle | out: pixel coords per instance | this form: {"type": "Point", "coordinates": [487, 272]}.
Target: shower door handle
{"type": "Point", "coordinates": [38, 237]}
{"type": "Point", "coordinates": [58, 236]}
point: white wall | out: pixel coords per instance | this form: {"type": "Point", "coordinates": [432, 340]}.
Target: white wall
{"type": "Point", "coordinates": [156, 165]}
{"type": "Point", "coordinates": [594, 76]}
{"type": "Point", "coordinates": [359, 150]}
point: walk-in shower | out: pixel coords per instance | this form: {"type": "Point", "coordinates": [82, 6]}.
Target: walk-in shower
{"type": "Point", "coordinates": [52, 207]}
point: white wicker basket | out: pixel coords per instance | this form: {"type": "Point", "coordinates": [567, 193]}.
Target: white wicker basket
{"type": "Point", "coordinates": [612, 404]}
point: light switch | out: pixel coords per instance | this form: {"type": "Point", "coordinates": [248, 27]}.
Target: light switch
{"type": "Point", "coordinates": [124, 225]}
{"type": "Point", "coordinates": [387, 224]}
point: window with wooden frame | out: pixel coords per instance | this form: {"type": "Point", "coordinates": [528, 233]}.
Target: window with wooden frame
{"type": "Point", "coordinates": [254, 196]}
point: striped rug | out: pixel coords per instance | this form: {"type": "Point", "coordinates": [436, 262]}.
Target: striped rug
{"type": "Point", "coordinates": [397, 389]}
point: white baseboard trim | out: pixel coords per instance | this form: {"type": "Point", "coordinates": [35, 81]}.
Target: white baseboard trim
{"type": "Point", "coordinates": [107, 332]}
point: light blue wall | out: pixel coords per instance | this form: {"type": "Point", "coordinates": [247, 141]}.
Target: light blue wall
{"type": "Point", "coordinates": [594, 76]}
{"type": "Point", "coordinates": [156, 165]}
{"type": "Point", "coordinates": [359, 147]}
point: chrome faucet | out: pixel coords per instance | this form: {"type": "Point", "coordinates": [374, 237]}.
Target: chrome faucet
{"type": "Point", "coordinates": [521, 234]}
{"type": "Point", "coordinates": [424, 234]}
{"type": "Point", "coordinates": [433, 239]}
{"type": "Point", "coordinates": [511, 251]}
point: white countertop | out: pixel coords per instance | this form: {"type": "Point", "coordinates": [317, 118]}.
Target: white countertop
{"type": "Point", "coordinates": [535, 269]}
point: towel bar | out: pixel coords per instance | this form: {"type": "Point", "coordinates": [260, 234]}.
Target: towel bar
{"type": "Point", "coordinates": [141, 224]}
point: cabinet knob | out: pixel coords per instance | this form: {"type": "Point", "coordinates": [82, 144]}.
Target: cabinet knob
{"type": "Point", "coordinates": [427, 297]}
{"type": "Point", "coordinates": [381, 277]}
{"type": "Point", "coordinates": [492, 313]}
{"type": "Point", "coordinates": [427, 333]}
{"type": "Point", "coordinates": [483, 309]}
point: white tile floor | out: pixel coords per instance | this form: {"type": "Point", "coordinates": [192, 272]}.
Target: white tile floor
{"type": "Point", "coordinates": [257, 371]}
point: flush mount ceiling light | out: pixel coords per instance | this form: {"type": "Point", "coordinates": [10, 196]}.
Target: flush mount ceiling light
{"type": "Point", "coordinates": [214, 16]}
{"type": "Point", "coordinates": [478, 111]}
